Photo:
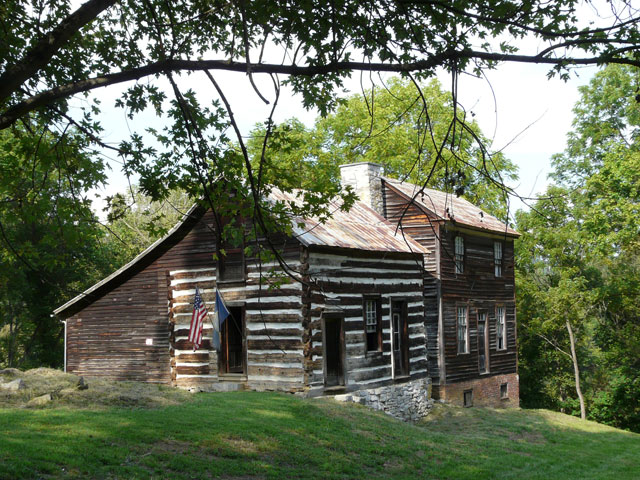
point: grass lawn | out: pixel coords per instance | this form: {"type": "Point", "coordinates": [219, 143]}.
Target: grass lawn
{"type": "Point", "coordinates": [266, 435]}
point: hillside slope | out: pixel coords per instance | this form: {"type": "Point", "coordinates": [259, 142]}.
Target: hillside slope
{"type": "Point", "coordinates": [266, 435]}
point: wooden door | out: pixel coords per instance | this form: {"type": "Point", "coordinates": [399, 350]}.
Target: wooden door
{"type": "Point", "coordinates": [333, 351]}
{"type": "Point", "coordinates": [400, 338]}
{"type": "Point", "coordinates": [232, 344]}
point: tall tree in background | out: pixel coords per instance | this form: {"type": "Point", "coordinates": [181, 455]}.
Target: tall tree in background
{"type": "Point", "coordinates": [390, 126]}
{"type": "Point", "coordinates": [582, 245]}
{"type": "Point", "coordinates": [51, 244]}
{"type": "Point", "coordinates": [135, 221]}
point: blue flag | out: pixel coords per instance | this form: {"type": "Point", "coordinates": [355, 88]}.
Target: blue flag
{"type": "Point", "coordinates": [221, 314]}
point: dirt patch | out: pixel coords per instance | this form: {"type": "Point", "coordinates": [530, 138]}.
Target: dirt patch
{"type": "Point", "coordinates": [65, 391]}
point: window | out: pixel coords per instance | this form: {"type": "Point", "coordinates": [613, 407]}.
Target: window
{"type": "Point", "coordinates": [231, 265]}
{"type": "Point", "coordinates": [501, 329]}
{"type": "Point", "coordinates": [459, 254]}
{"type": "Point", "coordinates": [372, 324]}
{"type": "Point", "coordinates": [504, 391]}
{"type": "Point", "coordinates": [497, 258]}
{"type": "Point", "coordinates": [463, 330]}
{"type": "Point", "coordinates": [468, 398]}
{"type": "Point", "coordinates": [483, 348]}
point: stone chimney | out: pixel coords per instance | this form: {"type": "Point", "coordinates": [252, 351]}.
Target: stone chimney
{"type": "Point", "coordinates": [364, 177]}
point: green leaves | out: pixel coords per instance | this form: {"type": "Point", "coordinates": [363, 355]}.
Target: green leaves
{"type": "Point", "coordinates": [50, 242]}
{"type": "Point", "coordinates": [579, 256]}
{"type": "Point", "coordinates": [412, 133]}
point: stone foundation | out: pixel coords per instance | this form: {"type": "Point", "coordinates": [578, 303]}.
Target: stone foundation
{"type": "Point", "coordinates": [406, 401]}
{"type": "Point", "coordinates": [485, 392]}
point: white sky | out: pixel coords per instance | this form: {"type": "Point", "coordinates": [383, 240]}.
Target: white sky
{"type": "Point", "coordinates": [529, 117]}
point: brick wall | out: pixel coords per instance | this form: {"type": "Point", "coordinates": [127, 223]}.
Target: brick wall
{"type": "Point", "coordinates": [486, 392]}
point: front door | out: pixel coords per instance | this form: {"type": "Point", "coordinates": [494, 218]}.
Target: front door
{"type": "Point", "coordinates": [232, 351]}
{"type": "Point", "coordinates": [333, 351]}
{"type": "Point", "coordinates": [400, 338]}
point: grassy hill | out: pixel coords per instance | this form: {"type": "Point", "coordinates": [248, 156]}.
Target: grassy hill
{"type": "Point", "coordinates": [266, 435]}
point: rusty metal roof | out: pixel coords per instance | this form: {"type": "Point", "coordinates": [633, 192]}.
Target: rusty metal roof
{"type": "Point", "coordinates": [446, 206]}
{"type": "Point", "coordinates": [360, 228]}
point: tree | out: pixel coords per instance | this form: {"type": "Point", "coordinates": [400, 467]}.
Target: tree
{"type": "Point", "coordinates": [389, 126]}
{"type": "Point", "coordinates": [52, 53]}
{"type": "Point", "coordinates": [135, 221]}
{"type": "Point", "coordinates": [51, 245]}
{"type": "Point", "coordinates": [580, 248]}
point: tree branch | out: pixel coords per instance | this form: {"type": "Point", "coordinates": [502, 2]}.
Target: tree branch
{"type": "Point", "coordinates": [45, 48]}
{"type": "Point", "coordinates": [63, 91]}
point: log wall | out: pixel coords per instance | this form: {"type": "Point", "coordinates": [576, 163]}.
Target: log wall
{"type": "Point", "coordinates": [339, 283]}
{"type": "Point", "coordinates": [108, 338]}
{"type": "Point", "coordinates": [154, 300]}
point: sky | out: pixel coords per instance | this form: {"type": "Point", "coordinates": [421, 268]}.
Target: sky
{"type": "Point", "coordinates": [526, 114]}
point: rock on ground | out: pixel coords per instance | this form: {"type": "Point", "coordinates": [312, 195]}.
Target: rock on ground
{"type": "Point", "coordinates": [40, 401]}
{"type": "Point", "coordinates": [14, 385]}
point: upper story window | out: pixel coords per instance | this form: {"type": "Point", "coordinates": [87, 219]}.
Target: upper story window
{"type": "Point", "coordinates": [372, 324]}
{"type": "Point", "coordinates": [231, 262]}
{"type": "Point", "coordinates": [231, 265]}
{"type": "Point", "coordinates": [501, 329]}
{"type": "Point", "coordinates": [463, 329]}
{"type": "Point", "coordinates": [497, 258]}
{"type": "Point", "coordinates": [459, 254]}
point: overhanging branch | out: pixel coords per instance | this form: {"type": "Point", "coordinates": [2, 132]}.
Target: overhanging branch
{"type": "Point", "coordinates": [45, 48]}
{"type": "Point", "coordinates": [64, 91]}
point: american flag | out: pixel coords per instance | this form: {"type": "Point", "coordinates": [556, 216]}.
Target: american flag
{"type": "Point", "coordinates": [197, 320]}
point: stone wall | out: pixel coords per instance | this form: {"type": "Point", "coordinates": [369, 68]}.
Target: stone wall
{"type": "Point", "coordinates": [485, 392]}
{"type": "Point", "coordinates": [406, 401]}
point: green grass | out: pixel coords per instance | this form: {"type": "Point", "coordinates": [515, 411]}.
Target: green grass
{"type": "Point", "coordinates": [265, 435]}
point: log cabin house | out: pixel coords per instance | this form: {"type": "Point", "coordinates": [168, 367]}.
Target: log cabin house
{"type": "Point", "coordinates": [469, 286]}
{"type": "Point", "coordinates": [353, 320]}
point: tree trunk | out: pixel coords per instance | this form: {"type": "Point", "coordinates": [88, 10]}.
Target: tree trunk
{"type": "Point", "coordinates": [576, 370]}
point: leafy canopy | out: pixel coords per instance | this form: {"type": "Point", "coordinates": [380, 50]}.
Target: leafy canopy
{"type": "Point", "coordinates": [397, 127]}
{"type": "Point", "coordinates": [51, 52]}
{"type": "Point", "coordinates": [579, 259]}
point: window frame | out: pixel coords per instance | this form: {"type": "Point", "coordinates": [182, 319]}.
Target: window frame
{"type": "Point", "coordinates": [466, 326]}
{"type": "Point", "coordinates": [504, 329]}
{"type": "Point", "coordinates": [458, 254]}
{"type": "Point", "coordinates": [377, 301]}
{"type": "Point", "coordinates": [505, 387]}
{"type": "Point", "coordinates": [498, 256]}
{"type": "Point", "coordinates": [487, 346]}
{"type": "Point", "coordinates": [221, 259]}
{"type": "Point", "coordinates": [468, 393]}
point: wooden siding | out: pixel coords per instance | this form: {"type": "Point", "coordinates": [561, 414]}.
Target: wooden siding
{"type": "Point", "coordinates": [338, 286]}
{"type": "Point", "coordinates": [108, 338]}
{"type": "Point", "coordinates": [477, 287]}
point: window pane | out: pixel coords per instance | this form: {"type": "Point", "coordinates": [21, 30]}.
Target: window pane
{"type": "Point", "coordinates": [462, 329]}
{"type": "Point", "coordinates": [459, 254]}
{"type": "Point", "coordinates": [497, 258]}
{"type": "Point", "coordinates": [370, 315]}
{"type": "Point", "coordinates": [501, 340]}
{"type": "Point", "coordinates": [371, 324]}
